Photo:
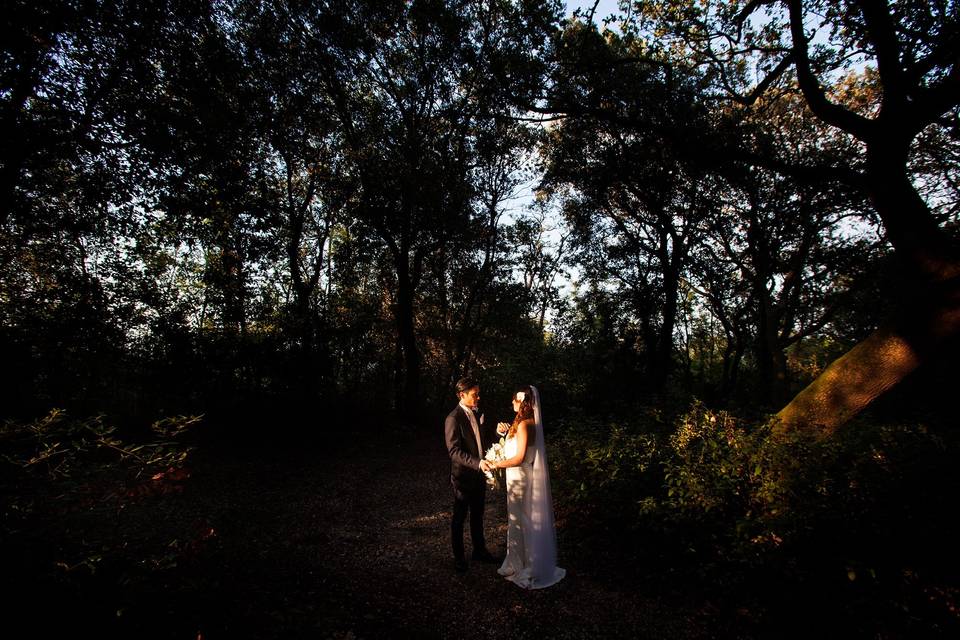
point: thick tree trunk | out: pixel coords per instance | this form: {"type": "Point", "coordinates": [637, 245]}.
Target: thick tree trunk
{"type": "Point", "coordinates": [927, 323]}
{"type": "Point", "coordinates": [875, 365]}
{"type": "Point", "coordinates": [926, 252]}
{"type": "Point", "coordinates": [662, 364]}
{"type": "Point", "coordinates": [772, 363]}
{"type": "Point", "coordinates": [929, 256]}
{"type": "Point", "coordinates": [303, 326]}
{"type": "Point", "coordinates": [663, 349]}
{"type": "Point", "coordinates": [302, 320]}
{"type": "Point", "coordinates": [732, 356]}
{"type": "Point", "coordinates": [851, 382]}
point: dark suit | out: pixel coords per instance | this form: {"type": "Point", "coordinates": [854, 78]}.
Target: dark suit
{"type": "Point", "coordinates": [469, 484]}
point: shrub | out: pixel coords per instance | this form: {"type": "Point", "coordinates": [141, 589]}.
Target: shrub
{"type": "Point", "coordinates": [855, 524]}
{"type": "Point", "coordinates": [59, 468]}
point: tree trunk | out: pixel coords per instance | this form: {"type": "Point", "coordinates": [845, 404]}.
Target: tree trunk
{"type": "Point", "coordinates": [874, 366]}
{"type": "Point", "coordinates": [772, 363]}
{"type": "Point", "coordinates": [663, 347]}
{"type": "Point", "coordinates": [303, 327]}
{"type": "Point", "coordinates": [926, 252]}
{"type": "Point", "coordinates": [303, 289]}
{"type": "Point", "coordinates": [730, 366]}
{"type": "Point", "coordinates": [232, 288]}
{"type": "Point", "coordinates": [927, 322]}
{"type": "Point", "coordinates": [410, 398]}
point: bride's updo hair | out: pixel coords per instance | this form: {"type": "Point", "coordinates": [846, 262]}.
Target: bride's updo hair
{"type": "Point", "coordinates": [526, 408]}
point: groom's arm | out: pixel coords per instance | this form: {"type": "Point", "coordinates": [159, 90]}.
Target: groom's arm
{"type": "Point", "coordinates": [452, 434]}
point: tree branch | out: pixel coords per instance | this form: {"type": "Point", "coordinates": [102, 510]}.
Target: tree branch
{"type": "Point", "coordinates": [763, 85]}
{"type": "Point", "coordinates": [883, 34]}
{"type": "Point", "coordinates": [831, 113]}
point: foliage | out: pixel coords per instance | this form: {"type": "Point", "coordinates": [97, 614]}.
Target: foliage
{"type": "Point", "coordinates": [60, 470]}
{"type": "Point", "coordinates": [233, 202]}
{"type": "Point", "coordinates": [271, 209]}
{"type": "Point", "coordinates": [592, 463]}
{"type": "Point", "coordinates": [78, 458]}
{"type": "Point", "coordinates": [719, 501]}
{"type": "Point", "coordinates": [299, 200]}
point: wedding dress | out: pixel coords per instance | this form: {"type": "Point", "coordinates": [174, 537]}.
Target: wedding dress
{"type": "Point", "coordinates": [531, 560]}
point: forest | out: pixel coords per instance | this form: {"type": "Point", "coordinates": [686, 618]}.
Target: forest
{"type": "Point", "coordinates": [247, 249]}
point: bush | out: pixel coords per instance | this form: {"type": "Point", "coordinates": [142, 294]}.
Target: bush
{"type": "Point", "coordinates": [855, 524]}
{"type": "Point", "coordinates": [59, 469]}
{"type": "Point", "coordinates": [601, 469]}
{"type": "Point", "coordinates": [58, 447]}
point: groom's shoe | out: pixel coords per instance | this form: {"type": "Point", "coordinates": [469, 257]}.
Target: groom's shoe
{"type": "Point", "coordinates": [460, 565]}
{"type": "Point", "coordinates": [485, 557]}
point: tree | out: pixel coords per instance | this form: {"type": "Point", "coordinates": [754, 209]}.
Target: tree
{"type": "Point", "coordinates": [610, 150]}
{"type": "Point", "coordinates": [541, 259]}
{"type": "Point", "coordinates": [435, 77]}
{"type": "Point", "coordinates": [68, 183]}
{"type": "Point", "coordinates": [294, 53]}
{"type": "Point", "coordinates": [915, 86]}
{"type": "Point", "coordinates": [470, 269]}
{"type": "Point", "coordinates": [795, 262]}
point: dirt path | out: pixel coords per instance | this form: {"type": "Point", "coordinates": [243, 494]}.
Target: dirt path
{"type": "Point", "coordinates": [358, 546]}
{"type": "Point", "coordinates": [300, 544]}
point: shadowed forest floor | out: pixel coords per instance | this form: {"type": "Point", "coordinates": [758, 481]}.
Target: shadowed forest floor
{"type": "Point", "coordinates": [310, 543]}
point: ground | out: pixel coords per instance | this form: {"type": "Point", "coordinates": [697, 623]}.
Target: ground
{"type": "Point", "coordinates": [313, 542]}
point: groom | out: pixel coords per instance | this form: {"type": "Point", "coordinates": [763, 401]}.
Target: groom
{"type": "Point", "coordinates": [467, 440]}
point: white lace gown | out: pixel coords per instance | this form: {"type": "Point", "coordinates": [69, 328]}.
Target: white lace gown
{"type": "Point", "coordinates": [531, 550]}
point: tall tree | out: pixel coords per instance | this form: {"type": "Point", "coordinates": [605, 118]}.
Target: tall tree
{"type": "Point", "coordinates": [615, 150]}
{"type": "Point", "coordinates": [437, 72]}
{"type": "Point", "coordinates": [69, 181]}
{"type": "Point", "coordinates": [295, 53]}
{"type": "Point", "coordinates": [909, 49]}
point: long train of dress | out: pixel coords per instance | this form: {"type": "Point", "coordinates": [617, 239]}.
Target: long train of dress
{"type": "Point", "coordinates": [519, 564]}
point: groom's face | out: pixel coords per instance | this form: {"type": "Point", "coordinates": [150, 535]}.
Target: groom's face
{"type": "Point", "coordinates": [471, 397]}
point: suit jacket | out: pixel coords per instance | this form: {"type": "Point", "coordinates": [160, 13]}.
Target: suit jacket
{"type": "Point", "coordinates": [465, 474]}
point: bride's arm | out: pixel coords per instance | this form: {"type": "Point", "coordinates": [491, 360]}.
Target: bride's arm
{"type": "Point", "coordinates": [521, 448]}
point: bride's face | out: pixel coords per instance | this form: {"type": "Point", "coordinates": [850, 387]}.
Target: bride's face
{"type": "Point", "coordinates": [516, 405]}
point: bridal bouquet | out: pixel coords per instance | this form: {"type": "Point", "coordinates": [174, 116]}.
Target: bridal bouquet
{"type": "Point", "coordinates": [495, 454]}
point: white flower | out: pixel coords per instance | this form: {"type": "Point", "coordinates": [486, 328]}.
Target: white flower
{"type": "Point", "coordinates": [520, 396]}
{"type": "Point", "coordinates": [495, 453]}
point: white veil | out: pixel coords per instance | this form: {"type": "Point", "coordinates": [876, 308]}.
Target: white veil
{"type": "Point", "coordinates": [542, 543]}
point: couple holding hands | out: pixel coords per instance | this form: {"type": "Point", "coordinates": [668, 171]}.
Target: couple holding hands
{"type": "Point", "coordinates": [531, 556]}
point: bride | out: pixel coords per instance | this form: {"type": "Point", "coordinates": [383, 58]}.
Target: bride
{"type": "Point", "coordinates": [531, 560]}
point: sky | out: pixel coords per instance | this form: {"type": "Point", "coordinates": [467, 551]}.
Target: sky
{"type": "Point", "coordinates": [604, 9]}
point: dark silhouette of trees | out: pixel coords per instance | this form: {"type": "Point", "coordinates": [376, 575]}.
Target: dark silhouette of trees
{"type": "Point", "coordinates": [239, 172]}
{"type": "Point", "coordinates": [911, 86]}
{"type": "Point", "coordinates": [227, 203]}
{"type": "Point", "coordinates": [664, 187]}
{"type": "Point", "coordinates": [239, 226]}
{"type": "Point", "coordinates": [417, 120]}
{"type": "Point", "coordinates": [617, 152]}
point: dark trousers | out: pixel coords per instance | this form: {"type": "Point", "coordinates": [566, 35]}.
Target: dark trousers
{"type": "Point", "coordinates": [462, 503]}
